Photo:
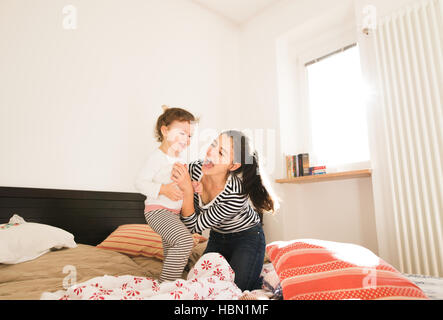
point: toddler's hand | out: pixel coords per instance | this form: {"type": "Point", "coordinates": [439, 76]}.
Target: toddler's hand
{"type": "Point", "coordinates": [172, 191]}
{"type": "Point", "coordinates": [181, 177]}
{"type": "Point", "coordinates": [198, 187]}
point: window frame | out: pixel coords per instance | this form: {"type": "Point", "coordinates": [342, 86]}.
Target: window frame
{"type": "Point", "coordinates": [316, 48]}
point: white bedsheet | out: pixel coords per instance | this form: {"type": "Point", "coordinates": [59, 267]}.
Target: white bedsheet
{"type": "Point", "coordinates": [212, 278]}
{"type": "Point", "coordinates": [431, 286]}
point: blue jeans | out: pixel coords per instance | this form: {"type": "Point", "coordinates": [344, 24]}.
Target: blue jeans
{"type": "Point", "coordinates": [245, 251]}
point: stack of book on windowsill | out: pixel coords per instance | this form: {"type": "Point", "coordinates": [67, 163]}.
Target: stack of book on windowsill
{"type": "Point", "coordinates": [298, 166]}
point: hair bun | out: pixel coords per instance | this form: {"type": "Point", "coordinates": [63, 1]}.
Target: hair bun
{"type": "Point", "coordinates": [165, 107]}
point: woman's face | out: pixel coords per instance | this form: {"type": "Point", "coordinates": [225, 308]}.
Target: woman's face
{"type": "Point", "coordinates": [219, 157]}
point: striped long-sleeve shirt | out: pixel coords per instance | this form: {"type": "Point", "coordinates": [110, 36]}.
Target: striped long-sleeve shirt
{"type": "Point", "coordinates": [229, 212]}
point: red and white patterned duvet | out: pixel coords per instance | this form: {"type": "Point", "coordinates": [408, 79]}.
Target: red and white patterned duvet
{"type": "Point", "coordinates": [212, 278]}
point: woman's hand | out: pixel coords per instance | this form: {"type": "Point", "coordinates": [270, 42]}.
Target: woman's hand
{"type": "Point", "coordinates": [197, 186]}
{"type": "Point", "coordinates": [171, 191]}
{"type": "Point", "coordinates": [181, 177]}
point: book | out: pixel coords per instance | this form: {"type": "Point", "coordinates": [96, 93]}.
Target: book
{"type": "Point", "coordinates": [317, 170]}
{"type": "Point", "coordinates": [306, 164]}
{"type": "Point", "coordinates": [303, 162]}
{"type": "Point", "coordinates": [300, 165]}
{"type": "Point", "coordinates": [288, 167]}
{"type": "Point", "coordinates": [295, 168]}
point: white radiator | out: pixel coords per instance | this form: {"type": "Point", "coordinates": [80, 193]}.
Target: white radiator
{"type": "Point", "coordinates": [409, 59]}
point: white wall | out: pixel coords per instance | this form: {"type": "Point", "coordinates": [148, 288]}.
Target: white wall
{"type": "Point", "coordinates": [337, 210]}
{"type": "Point", "coordinates": [78, 107]}
{"type": "Point", "coordinates": [340, 211]}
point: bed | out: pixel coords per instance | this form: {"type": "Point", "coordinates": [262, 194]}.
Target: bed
{"type": "Point", "coordinates": [92, 216]}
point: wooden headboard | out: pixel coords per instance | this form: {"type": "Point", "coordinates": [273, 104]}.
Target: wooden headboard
{"type": "Point", "coordinates": [89, 215]}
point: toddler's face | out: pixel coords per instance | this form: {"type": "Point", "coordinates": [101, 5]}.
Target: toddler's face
{"type": "Point", "coordinates": [179, 135]}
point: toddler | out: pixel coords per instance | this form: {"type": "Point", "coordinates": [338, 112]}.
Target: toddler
{"type": "Point", "coordinates": [163, 197]}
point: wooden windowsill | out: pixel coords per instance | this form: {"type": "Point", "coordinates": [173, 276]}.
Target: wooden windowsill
{"type": "Point", "coordinates": [329, 177]}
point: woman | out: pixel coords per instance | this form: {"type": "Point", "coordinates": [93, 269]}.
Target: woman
{"type": "Point", "coordinates": [230, 182]}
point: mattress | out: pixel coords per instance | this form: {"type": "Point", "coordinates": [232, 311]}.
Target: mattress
{"type": "Point", "coordinates": [27, 280]}
{"type": "Point", "coordinates": [56, 269]}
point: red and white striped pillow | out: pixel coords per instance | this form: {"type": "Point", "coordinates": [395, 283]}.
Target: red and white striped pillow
{"type": "Point", "coordinates": [324, 270]}
{"type": "Point", "coordinates": [138, 240]}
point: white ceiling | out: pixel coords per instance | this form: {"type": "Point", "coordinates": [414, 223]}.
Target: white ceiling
{"type": "Point", "coordinates": [237, 10]}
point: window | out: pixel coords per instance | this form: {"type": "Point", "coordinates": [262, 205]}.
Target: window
{"type": "Point", "coordinates": [337, 107]}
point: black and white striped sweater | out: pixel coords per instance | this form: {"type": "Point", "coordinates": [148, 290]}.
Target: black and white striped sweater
{"type": "Point", "coordinates": [229, 212]}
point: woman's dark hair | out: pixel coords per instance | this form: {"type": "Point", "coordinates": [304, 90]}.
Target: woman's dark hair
{"type": "Point", "coordinates": [169, 116]}
{"type": "Point", "coordinates": [249, 170]}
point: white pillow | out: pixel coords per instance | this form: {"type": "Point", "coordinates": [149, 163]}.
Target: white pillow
{"type": "Point", "coordinates": [22, 241]}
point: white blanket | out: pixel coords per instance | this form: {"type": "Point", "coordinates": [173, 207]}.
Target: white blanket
{"type": "Point", "coordinates": [212, 278]}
